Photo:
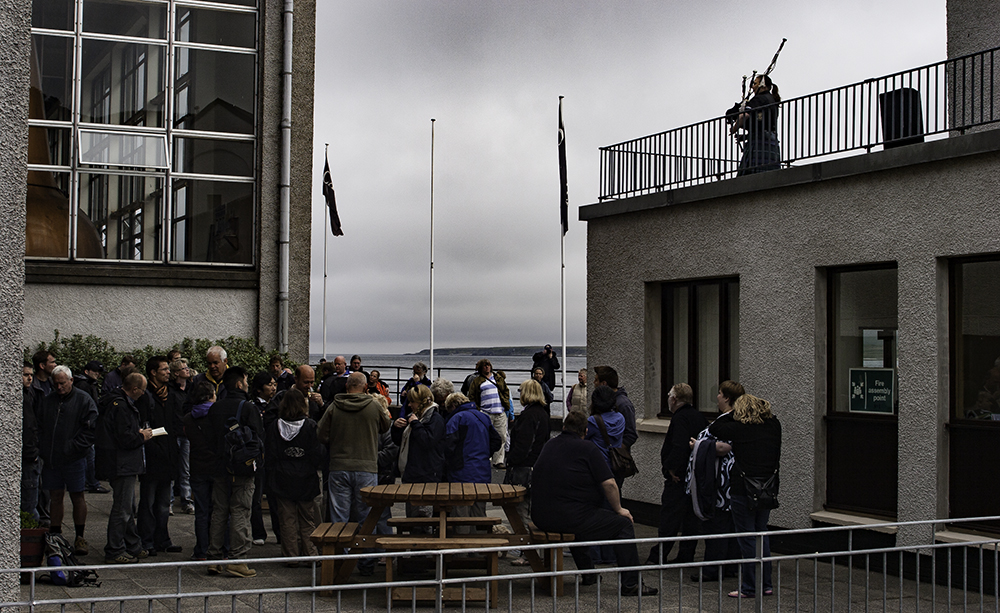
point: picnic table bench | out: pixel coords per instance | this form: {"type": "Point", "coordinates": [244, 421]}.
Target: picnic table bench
{"type": "Point", "coordinates": [443, 497]}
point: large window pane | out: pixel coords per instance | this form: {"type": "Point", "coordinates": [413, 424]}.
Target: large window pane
{"type": "Point", "coordinates": [708, 314]}
{"type": "Point", "coordinates": [236, 2]}
{"type": "Point", "coordinates": [864, 340]}
{"type": "Point", "coordinates": [700, 343]}
{"type": "Point", "coordinates": [977, 349]}
{"type": "Point", "coordinates": [122, 83]}
{"type": "Point", "coordinates": [213, 157]}
{"type": "Point", "coordinates": [47, 215]}
{"type": "Point", "coordinates": [213, 221]}
{"type": "Point", "coordinates": [49, 146]}
{"type": "Point", "coordinates": [125, 18]}
{"type": "Point", "coordinates": [52, 14]}
{"type": "Point", "coordinates": [216, 27]}
{"type": "Point", "coordinates": [51, 78]}
{"type": "Point", "coordinates": [125, 212]}
{"type": "Point", "coordinates": [214, 91]}
{"type": "Point", "coordinates": [138, 151]}
{"type": "Point", "coordinates": [679, 322]}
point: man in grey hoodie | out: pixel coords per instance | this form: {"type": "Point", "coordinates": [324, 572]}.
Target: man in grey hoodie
{"type": "Point", "coordinates": [350, 428]}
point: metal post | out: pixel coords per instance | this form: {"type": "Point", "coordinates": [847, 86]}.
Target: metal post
{"type": "Point", "coordinates": [432, 254]}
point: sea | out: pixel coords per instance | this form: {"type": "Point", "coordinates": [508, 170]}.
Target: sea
{"type": "Point", "coordinates": [396, 368]}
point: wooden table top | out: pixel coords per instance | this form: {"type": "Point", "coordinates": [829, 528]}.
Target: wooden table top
{"type": "Point", "coordinates": [442, 493]}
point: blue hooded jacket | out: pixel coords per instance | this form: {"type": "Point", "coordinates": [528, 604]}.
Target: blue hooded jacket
{"type": "Point", "coordinates": [470, 440]}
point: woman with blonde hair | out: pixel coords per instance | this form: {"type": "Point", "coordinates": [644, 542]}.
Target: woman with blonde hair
{"type": "Point", "coordinates": [755, 435]}
{"type": "Point", "coordinates": [528, 433]}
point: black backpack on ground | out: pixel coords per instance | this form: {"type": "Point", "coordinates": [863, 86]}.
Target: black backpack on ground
{"type": "Point", "coordinates": [243, 447]}
{"type": "Point", "coordinates": [59, 554]}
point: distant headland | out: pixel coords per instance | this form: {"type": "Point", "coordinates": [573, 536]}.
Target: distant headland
{"type": "Point", "coordinates": [504, 351]}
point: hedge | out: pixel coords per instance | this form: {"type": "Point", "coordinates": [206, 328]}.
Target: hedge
{"type": "Point", "coordinates": [76, 350]}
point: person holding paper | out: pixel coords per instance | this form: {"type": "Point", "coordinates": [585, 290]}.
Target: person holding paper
{"type": "Point", "coordinates": [160, 409]}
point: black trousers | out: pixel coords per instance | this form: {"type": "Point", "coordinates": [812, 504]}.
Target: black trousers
{"type": "Point", "coordinates": [605, 525]}
{"type": "Point", "coordinates": [676, 514]}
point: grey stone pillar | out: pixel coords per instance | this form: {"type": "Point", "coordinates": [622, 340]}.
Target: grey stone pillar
{"type": "Point", "coordinates": [15, 40]}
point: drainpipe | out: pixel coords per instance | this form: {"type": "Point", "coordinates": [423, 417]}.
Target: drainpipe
{"type": "Point", "coordinates": [284, 216]}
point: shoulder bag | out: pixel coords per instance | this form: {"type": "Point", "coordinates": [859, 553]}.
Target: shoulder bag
{"type": "Point", "coordinates": [622, 464]}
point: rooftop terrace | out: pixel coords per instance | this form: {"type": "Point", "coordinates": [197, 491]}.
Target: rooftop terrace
{"type": "Point", "coordinates": [926, 103]}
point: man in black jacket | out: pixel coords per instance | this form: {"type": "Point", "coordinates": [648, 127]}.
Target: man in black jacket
{"type": "Point", "coordinates": [573, 490]}
{"type": "Point", "coordinates": [66, 420]}
{"type": "Point", "coordinates": [90, 383]}
{"type": "Point", "coordinates": [232, 495]}
{"type": "Point", "coordinates": [546, 360]}
{"type": "Point", "coordinates": [120, 460]}
{"type": "Point", "coordinates": [676, 511]}
{"type": "Point", "coordinates": [159, 407]}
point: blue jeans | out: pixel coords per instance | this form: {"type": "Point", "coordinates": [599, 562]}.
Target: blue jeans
{"type": "Point", "coordinates": [746, 520]}
{"type": "Point", "coordinates": [345, 494]}
{"type": "Point", "coordinates": [346, 503]}
{"type": "Point", "coordinates": [201, 492]}
{"type": "Point", "coordinates": [184, 446]}
{"type": "Point", "coordinates": [30, 472]}
{"type": "Point", "coordinates": [154, 512]}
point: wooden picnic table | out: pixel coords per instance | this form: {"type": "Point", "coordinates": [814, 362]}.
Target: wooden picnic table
{"type": "Point", "coordinates": [443, 498]}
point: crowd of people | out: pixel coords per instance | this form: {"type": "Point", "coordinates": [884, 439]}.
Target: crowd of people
{"type": "Point", "coordinates": [214, 444]}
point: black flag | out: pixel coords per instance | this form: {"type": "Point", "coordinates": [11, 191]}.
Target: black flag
{"type": "Point", "coordinates": [331, 200]}
{"type": "Point", "coordinates": [563, 184]}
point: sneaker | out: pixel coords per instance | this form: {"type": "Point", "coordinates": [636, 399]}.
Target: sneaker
{"type": "Point", "coordinates": [189, 508]}
{"type": "Point", "coordinates": [634, 590]}
{"type": "Point", "coordinates": [98, 489]}
{"type": "Point", "coordinates": [213, 569]}
{"type": "Point", "coordinates": [258, 542]}
{"type": "Point", "coordinates": [122, 558]}
{"type": "Point", "coordinates": [142, 554]}
{"type": "Point", "coordinates": [174, 549]}
{"type": "Point", "coordinates": [240, 570]}
{"type": "Point", "coordinates": [171, 511]}
{"type": "Point", "coordinates": [80, 546]}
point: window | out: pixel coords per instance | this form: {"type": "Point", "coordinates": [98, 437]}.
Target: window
{"type": "Point", "coordinates": [974, 424]}
{"type": "Point", "coordinates": [700, 344]}
{"type": "Point", "coordinates": [101, 115]}
{"type": "Point", "coordinates": [861, 429]}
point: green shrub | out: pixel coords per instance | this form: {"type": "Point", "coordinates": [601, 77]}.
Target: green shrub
{"type": "Point", "coordinates": [75, 351]}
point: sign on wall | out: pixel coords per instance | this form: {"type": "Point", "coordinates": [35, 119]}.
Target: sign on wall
{"type": "Point", "coordinates": [873, 390]}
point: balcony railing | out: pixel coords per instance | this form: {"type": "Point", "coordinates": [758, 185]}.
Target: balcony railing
{"type": "Point", "coordinates": [933, 101]}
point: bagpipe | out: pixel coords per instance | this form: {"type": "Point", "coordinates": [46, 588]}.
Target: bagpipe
{"type": "Point", "coordinates": [733, 113]}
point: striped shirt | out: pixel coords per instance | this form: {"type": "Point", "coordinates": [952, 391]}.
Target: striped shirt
{"type": "Point", "coordinates": [489, 398]}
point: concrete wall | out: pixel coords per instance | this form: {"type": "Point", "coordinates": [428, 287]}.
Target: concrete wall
{"type": "Point", "coordinates": [300, 248]}
{"type": "Point", "coordinates": [779, 232]}
{"type": "Point", "coordinates": [15, 19]}
{"type": "Point", "coordinates": [133, 317]}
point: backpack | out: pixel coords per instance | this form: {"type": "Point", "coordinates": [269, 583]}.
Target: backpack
{"type": "Point", "coordinates": [243, 447]}
{"type": "Point", "coordinates": [59, 554]}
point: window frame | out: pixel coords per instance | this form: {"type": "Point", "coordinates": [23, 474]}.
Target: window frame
{"type": "Point", "coordinates": [169, 81]}
{"type": "Point", "coordinates": [728, 347]}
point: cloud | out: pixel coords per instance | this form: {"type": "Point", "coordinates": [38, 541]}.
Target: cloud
{"type": "Point", "coordinates": [490, 73]}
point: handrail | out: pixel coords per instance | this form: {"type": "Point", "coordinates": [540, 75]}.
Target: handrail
{"type": "Point", "coordinates": [905, 107]}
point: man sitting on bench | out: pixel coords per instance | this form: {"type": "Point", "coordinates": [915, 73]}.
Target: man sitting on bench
{"type": "Point", "coordinates": [571, 486]}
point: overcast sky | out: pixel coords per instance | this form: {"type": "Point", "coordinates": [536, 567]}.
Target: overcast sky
{"type": "Point", "coordinates": [490, 73]}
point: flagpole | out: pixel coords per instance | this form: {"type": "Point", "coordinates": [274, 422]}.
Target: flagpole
{"type": "Point", "coordinates": [564, 226]}
{"type": "Point", "coordinates": [562, 284]}
{"type": "Point", "coordinates": [432, 252]}
{"type": "Point", "coordinates": [325, 260]}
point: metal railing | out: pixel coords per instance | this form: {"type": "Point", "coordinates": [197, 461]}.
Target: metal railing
{"type": "Point", "coordinates": [929, 576]}
{"type": "Point", "coordinates": [953, 96]}
{"type": "Point", "coordinates": [395, 377]}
